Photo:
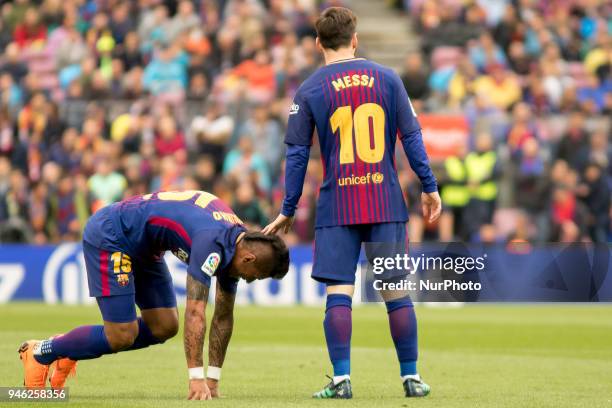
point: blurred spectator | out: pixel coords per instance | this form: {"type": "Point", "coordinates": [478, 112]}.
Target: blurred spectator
{"type": "Point", "coordinates": [414, 79]}
{"type": "Point", "coordinates": [184, 20]}
{"type": "Point", "coordinates": [166, 73]}
{"type": "Point", "coordinates": [10, 94]}
{"type": "Point", "coordinates": [532, 186]}
{"type": "Point", "coordinates": [593, 94]}
{"type": "Point", "coordinates": [38, 206]}
{"type": "Point", "coordinates": [507, 28]}
{"type": "Point", "coordinates": [598, 152]}
{"type": "Point", "coordinates": [54, 124]}
{"type": "Point", "coordinates": [482, 170]}
{"type": "Point", "coordinates": [170, 176]}
{"type": "Point", "coordinates": [120, 22]}
{"type": "Point", "coordinates": [266, 136]}
{"type": "Point", "coordinates": [71, 49]}
{"type": "Point", "coordinates": [243, 162]}
{"type": "Point", "coordinates": [5, 171]}
{"type": "Point", "coordinates": [106, 185]}
{"type": "Point", "coordinates": [500, 86]}
{"type": "Point", "coordinates": [574, 141]}
{"type": "Point", "coordinates": [128, 52]}
{"type": "Point", "coordinates": [211, 132]}
{"type": "Point", "coordinates": [259, 74]}
{"type": "Point", "coordinates": [168, 139]}
{"type": "Point", "coordinates": [596, 194]}
{"type": "Point", "coordinates": [518, 59]}
{"type": "Point", "coordinates": [14, 14]}
{"type": "Point", "coordinates": [52, 13]}
{"type": "Point", "coordinates": [461, 83]}
{"type": "Point", "coordinates": [247, 207]}
{"type": "Point", "coordinates": [455, 195]}
{"type": "Point", "coordinates": [205, 172]}
{"type": "Point", "coordinates": [13, 194]}
{"type": "Point", "coordinates": [522, 128]}
{"type": "Point", "coordinates": [566, 215]}
{"type": "Point", "coordinates": [485, 53]}
{"type": "Point", "coordinates": [554, 75]}
{"type": "Point", "coordinates": [152, 29]}
{"type": "Point", "coordinates": [12, 63]}
{"type": "Point", "coordinates": [64, 214]}
{"type": "Point", "coordinates": [31, 30]}
{"type": "Point", "coordinates": [66, 152]}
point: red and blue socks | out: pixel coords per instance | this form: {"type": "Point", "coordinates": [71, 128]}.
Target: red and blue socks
{"type": "Point", "coordinates": [338, 328]}
{"type": "Point", "coordinates": [88, 342]}
{"type": "Point", "coordinates": [82, 343]}
{"type": "Point", "coordinates": [403, 325]}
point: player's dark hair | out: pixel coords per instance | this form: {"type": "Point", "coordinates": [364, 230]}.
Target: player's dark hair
{"type": "Point", "coordinates": [335, 27]}
{"type": "Point", "coordinates": [280, 254]}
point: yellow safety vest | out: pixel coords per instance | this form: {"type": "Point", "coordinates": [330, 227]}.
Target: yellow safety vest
{"type": "Point", "coordinates": [480, 167]}
{"type": "Point", "coordinates": [455, 192]}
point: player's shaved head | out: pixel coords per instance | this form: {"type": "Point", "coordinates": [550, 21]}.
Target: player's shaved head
{"type": "Point", "coordinates": [272, 253]}
{"type": "Point", "coordinates": [336, 27]}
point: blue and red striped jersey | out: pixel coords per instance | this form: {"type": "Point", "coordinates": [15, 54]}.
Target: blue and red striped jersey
{"type": "Point", "coordinates": [199, 228]}
{"type": "Point", "coordinates": [358, 108]}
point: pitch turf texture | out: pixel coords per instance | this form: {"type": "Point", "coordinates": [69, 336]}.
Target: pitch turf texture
{"type": "Point", "coordinates": [489, 356]}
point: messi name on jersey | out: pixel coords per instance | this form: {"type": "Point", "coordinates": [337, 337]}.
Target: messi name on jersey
{"type": "Point", "coordinates": [349, 81]}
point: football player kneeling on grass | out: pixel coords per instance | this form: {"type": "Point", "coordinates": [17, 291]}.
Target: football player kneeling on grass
{"type": "Point", "coordinates": [123, 245]}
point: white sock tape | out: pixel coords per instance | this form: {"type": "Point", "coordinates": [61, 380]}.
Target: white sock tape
{"type": "Point", "coordinates": [196, 373]}
{"type": "Point", "coordinates": [213, 373]}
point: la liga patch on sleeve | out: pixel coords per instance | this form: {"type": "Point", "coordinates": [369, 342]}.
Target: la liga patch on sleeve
{"type": "Point", "coordinates": [211, 263]}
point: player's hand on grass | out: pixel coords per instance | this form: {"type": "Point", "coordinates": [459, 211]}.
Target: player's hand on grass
{"type": "Point", "coordinates": [432, 206]}
{"type": "Point", "coordinates": [213, 386]}
{"type": "Point", "coordinates": [198, 390]}
{"type": "Point", "coordinates": [281, 222]}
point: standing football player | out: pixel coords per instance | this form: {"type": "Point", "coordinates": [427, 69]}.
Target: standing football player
{"type": "Point", "coordinates": [359, 108]}
{"type": "Point", "coordinates": [123, 246]}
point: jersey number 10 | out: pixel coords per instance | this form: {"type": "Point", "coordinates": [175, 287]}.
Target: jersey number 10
{"type": "Point", "coordinates": [345, 120]}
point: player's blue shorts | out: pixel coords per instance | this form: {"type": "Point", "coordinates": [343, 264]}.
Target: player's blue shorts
{"type": "Point", "coordinates": [337, 248]}
{"type": "Point", "coordinates": [119, 281]}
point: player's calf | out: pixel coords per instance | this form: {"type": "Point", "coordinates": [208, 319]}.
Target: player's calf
{"type": "Point", "coordinates": [121, 336]}
{"type": "Point", "coordinates": [162, 323]}
{"type": "Point", "coordinates": [402, 322]}
{"type": "Point", "coordinates": [164, 332]}
{"type": "Point", "coordinates": [138, 334]}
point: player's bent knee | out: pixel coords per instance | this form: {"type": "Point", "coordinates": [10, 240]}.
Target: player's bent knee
{"type": "Point", "coordinates": [164, 327]}
{"type": "Point", "coordinates": [166, 331]}
{"type": "Point", "coordinates": [120, 336]}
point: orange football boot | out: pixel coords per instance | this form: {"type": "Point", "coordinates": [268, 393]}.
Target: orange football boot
{"type": "Point", "coordinates": [35, 374]}
{"type": "Point", "coordinates": [61, 370]}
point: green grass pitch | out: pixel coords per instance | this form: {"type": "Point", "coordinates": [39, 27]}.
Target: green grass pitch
{"type": "Point", "coordinates": [474, 356]}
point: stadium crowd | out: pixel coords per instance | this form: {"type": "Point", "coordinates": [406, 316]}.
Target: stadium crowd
{"type": "Point", "coordinates": [101, 100]}
{"type": "Point", "coordinates": [533, 79]}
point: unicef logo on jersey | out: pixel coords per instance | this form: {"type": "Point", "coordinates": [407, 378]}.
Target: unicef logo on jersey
{"type": "Point", "coordinates": [65, 277]}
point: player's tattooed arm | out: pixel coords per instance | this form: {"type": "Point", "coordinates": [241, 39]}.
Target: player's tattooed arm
{"type": "Point", "coordinates": [195, 322]}
{"type": "Point", "coordinates": [221, 327]}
